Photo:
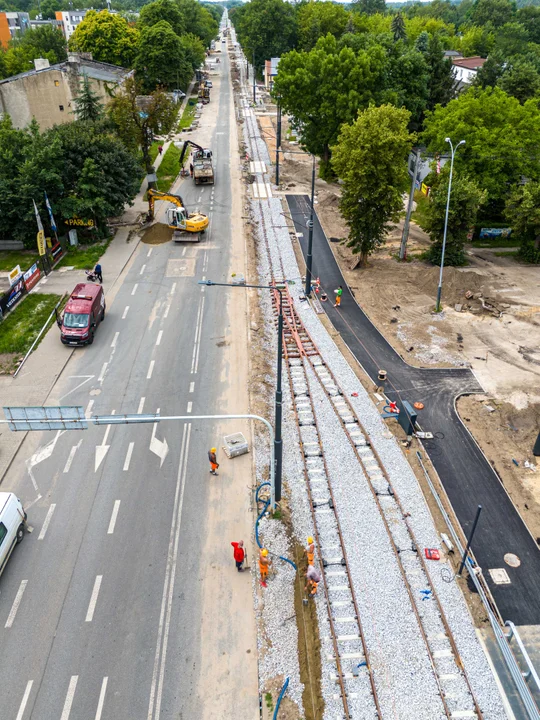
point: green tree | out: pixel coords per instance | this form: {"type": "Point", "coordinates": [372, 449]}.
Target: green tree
{"type": "Point", "coordinates": [398, 27]}
{"type": "Point", "coordinates": [490, 72]}
{"type": "Point", "coordinates": [324, 88]}
{"type": "Point", "coordinates": [317, 19]}
{"type": "Point", "coordinates": [108, 37]}
{"type": "Point", "coordinates": [42, 41]}
{"type": "Point", "coordinates": [529, 17]}
{"type": "Point", "coordinates": [493, 12]}
{"type": "Point", "coordinates": [477, 41]}
{"type": "Point", "coordinates": [160, 10]}
{"type": "Point", "coordinates": [511, 39]}
{"type": "Point", "coordinates": [194, 52]}
{"type": "Point", "coordinates": [465, 200]}
{"type": "Point", "coordinates": [267, 27]}
{"type": "Point", "coordinates": [370, 160]}
{"type": "Point", "coordinates": [161, 59]}
{"type": "Point", "coordinates": [523, 212]}
{"type": "Point", "coordinates": [409, 75]}
{"type": "Point", "coordinates": [520, 79]}
{"type": "Point", "coordinates": [88, 106]}
{"type": "Point", "coordinates": [198, 20]}
{"type": "Point", "coordinates": [136, 118]}
{"type": "Point", "coordinates": [49, 8]}
{"type": "Point", "coordinates": [422, 42]}
{"type": "Point", "coordinates": [502, 138]}
{"type": "Point", "coordinates": [369, 7]}
{"type": "Point", "coordinates": [441, 79]}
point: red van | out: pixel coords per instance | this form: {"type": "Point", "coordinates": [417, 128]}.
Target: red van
{"type": "Point", "coordinates": [84, 310]}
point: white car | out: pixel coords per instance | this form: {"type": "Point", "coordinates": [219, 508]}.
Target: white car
{"type": "Point", "coordinates": [12, 525]}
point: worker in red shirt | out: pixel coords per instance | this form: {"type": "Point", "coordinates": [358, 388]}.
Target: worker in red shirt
{"type": "Point", "coordinates": [239, 554]}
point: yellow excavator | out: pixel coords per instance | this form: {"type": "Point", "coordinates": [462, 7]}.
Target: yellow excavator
{"type": "Point", "coordinates": [178, 218]}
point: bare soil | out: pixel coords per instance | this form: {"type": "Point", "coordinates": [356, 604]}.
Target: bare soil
{"type": "Point", "coordinates": [156, 234]}
{"type": "Point", "coordinates": [490, 323]}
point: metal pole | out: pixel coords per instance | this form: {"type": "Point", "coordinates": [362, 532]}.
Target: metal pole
{"type": "Point", "coordinates": [254, 96]}
{"type": "Point", "coordinates": [405, 234]}
{"type": "Point", "coordinates": [469, 541]}
{"type": "Point", "coordinates": [278, 138]}
{"type": "Point", "coordinates": [278, 440]}
{"type": "Point", "coordinates": [309, 257]}
{"type": "Point", "coordinates": [439, 289]}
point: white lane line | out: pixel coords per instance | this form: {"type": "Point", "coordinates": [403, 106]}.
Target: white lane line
{"type": "Point", "coordinates": [156, 690]}
{"type": "Point", "coordinates": [114, 515]}
{"type": "Point", "coordinates": [150, 370]}
{"type": "Point", "coordinates": [71, 456]}
{"type": "Point", "coordinates": [102, 373]}
{"type": "Point", "coordinates": [126, 310]}
{"type": "Point", "coordinates": [197, 342]}
{"type": "Point", "coordinates": [26, 695]}
{"type": "Point", "coordinates": [142, 269]}
{"type": "Point", "coordinates": [89, 407]}
{"type": "Point", "coordinates": [93, 598]}
{"type": "Point", "coordinates": [115, 338]}
{"type": "Point", "coordinates": [69, 697]}
{"type": "Point", "coordinates": [128, 455]}
{"type": "Point", "coordinates": [16, 603]}
{"type": "Point", "coordinates": [47, 522]}
{"type": "Point", "coordinates": [173, 289]}
{"type": "Point", "coordinates": [135, 288]}
{"type": "Point", "coordinates": [101, 700]}
{"type": "Point", "coordinates": [167, 308]}
{"type": "Point", "coordinates": [184, 252]}
{"type": "Point", "coordinates": [160, 335]}
{"type": "Point", "coordinates": [141, 405]}
{"type": "Point", "coordinates": [191, 387]}
{"type": "Point", "coordinates": [189, 406]}
{"type": "Point", "coordinates": [149, 252]}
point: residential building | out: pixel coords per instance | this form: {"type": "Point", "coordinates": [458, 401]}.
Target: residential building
{"type": "Point", "coordinates": [270, 72]}
{"type": "Point", "coordinates": [465, 69]}
{"type": "Point", "coordinates": [12, 23]}
{"type": "Point", "coordinates": [70, 19]}
{"type": "Point", "coordinates": [47, 92]}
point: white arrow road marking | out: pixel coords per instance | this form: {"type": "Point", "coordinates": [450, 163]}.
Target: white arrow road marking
{"type": "Point", "coordinates": [87, 378]}
{"type": "Point", "coordinates": [26, 695]}
{"type": "Point", "coordinates": [72, 455]}
{"type": "Point", "coordinates": [101, 450]}
{"type": "Point", "coordinates": [161, 449]}
{"type": "Point", "coordinates": [40, 455]}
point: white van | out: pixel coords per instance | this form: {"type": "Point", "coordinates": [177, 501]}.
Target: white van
{"type": "Point", "coordinates": [12, 525]}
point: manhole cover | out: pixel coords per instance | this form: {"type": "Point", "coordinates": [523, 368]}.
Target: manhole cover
{"type": "Point", "coordinates": [181, 268]}
{"type": "Point", "coordinates": [499, 576]}
{"type": "Point", "coordinates": [512, 560]}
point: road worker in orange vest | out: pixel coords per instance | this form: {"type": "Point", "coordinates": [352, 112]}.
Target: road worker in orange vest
{"type": "Point", "coordinates": [309, 551]}
{"type": "Point", "coordinates": [264, 564]}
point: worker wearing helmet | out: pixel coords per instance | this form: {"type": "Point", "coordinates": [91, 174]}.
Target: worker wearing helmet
{"type": "Point", "coordinates": [213, 461]}
{"type": "Point", "coordinates": [309, 550]}
{"type": "Point", "coordinates": [264, 563]}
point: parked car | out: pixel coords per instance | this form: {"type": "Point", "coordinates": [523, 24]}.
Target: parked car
{"type": "Point", "coordinates": [12, 525]}
{"type": "Point", "coordinates": [84, 311]}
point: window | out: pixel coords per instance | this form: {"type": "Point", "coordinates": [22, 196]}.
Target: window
{"type": "Point", "coordinates": [3, 532]}
{"type": "Point", "coordinates": [61, 108]}
{"type": "Point", "coordinates": [76, 320]}
{"type": "Point", "coordinates": [57, 83]}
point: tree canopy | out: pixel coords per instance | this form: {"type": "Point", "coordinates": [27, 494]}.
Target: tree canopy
{"type": "Point", "coordinates": [159, 10]}
{"type": "Point", "coordinates": [88, 106]}
{"type": "Point", "coordinates": [369, 159]}
{"type": "Point", "coordinates": [267, 27]}
{"type": "Point", "coordinates": [316, 19]}
{"type": "Point", "coordinates": [161, 59]}
{"type": "Point", "coordinates": [108, 37]}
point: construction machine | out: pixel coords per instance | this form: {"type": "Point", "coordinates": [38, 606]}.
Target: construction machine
{"type": "Point", "coordinates": [187, 226]}
{"type": "Point", "coordinates": [203, 169]}
{"type": "Point", "coordinates": [204, 93]}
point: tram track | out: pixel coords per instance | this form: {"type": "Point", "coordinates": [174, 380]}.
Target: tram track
{"type": "Point", "coordinates": [355, 676]}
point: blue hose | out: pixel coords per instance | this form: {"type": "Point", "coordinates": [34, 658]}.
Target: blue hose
{"type": "Point", "coordinates": [280, 698]}
{"type": "Point", "coordinates": [260, 517]}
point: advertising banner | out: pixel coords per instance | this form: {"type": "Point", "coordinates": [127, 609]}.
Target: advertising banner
{"type": "Point", "coordinates": [15, 274]}
{"type": "Point", "coordinates": [31, 277]}
{"type": "Point", "coordinates": [12, 297]}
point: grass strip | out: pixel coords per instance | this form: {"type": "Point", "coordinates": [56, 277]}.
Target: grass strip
{"type": "Point", "coordinates": [83, 257]}
{"type": "Point", "coordinates": [169, 168]}
{"type": "Point", "coordinates": [11, 258]}
{"type": "Point", "coordinates": [189, 114]}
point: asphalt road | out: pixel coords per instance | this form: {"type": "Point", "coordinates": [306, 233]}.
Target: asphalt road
{"type": "Point", "coordinates": [100, 607]}
{"type": "Point", "coordinates": [467, 476]}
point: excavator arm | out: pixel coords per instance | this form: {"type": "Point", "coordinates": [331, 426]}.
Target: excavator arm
{"type": "Point", "coordinates": [183, 153]}
{"type": "Point", "coordinates": [154, 195]}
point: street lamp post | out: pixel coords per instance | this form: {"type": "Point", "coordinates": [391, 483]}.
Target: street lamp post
{"type": "Point", "coordinates": [453, 152]}
{"type": "Point", "coordinates": [254, 96]}
{"type": "Point", "coordinates": [278, 440]}
{"type": "Point", "coordinates": [309, 256]}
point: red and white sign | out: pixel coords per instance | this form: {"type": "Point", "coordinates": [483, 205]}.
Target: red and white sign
{"type": "Point", "coordinates": [31, 276]}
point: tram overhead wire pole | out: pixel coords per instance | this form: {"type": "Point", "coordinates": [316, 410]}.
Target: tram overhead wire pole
{"type": "Point", "coordinates": [278, 440]}
{"type": "Point", "coordinates": [309, 256]}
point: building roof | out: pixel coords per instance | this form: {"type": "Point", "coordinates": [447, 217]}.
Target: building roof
{"type": "Point", "coordinates": [93, 68]}
{"type": "Point", "coordinates": [470, 63]}
{"type": "Point", "coordinates": [452, 53]}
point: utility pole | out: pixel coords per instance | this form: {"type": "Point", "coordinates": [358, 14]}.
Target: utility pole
{"type": "Point", "coordinates": [254, 96]}
{"type": "Point", "coordinates": [309, 257]}
{"type": "Point", "coordinates": [278, 138]}
{"type": "Point", "coordinates": [405, 234]}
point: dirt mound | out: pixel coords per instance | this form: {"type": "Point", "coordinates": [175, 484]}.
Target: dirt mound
{"type": "Point", "coordinates": [157, 234]}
